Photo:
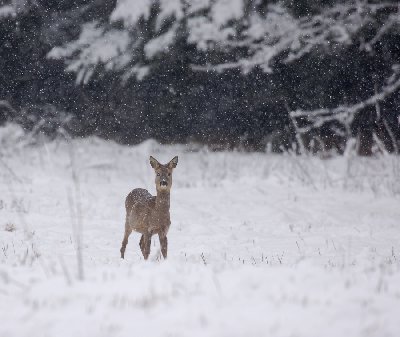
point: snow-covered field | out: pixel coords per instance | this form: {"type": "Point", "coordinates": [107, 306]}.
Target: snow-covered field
{"type": "Point", "coordinates": [260, 244]}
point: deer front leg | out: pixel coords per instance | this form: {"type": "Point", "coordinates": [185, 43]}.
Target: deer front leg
{"type": "Point", "coordinates": [163, 244]}
{"type": "Point", "coordinates": [144, 244]}
{"type": "Point", "coordinates": [128, 232]}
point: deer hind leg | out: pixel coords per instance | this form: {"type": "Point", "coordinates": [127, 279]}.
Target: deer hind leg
{"type": "Point", "coordinates": [141, 242]}
{"type": "Point", "coordinates": [163, 244]}
{"type": "Point", "coordinates": [144, 244]}
{"type": "Point", "coordinates": [128, 232]}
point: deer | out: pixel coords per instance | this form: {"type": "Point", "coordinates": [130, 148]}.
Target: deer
{"type": "Point", "coordinates": [147, 214]}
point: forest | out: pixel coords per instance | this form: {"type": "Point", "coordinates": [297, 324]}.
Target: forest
{"type": "Point", "coordinates": [263, 75]}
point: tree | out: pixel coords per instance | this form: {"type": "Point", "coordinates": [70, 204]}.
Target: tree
{"type": "Point", "coordinates": [285, 49]}
{"type": "Point", "coordinates": [276, 36]}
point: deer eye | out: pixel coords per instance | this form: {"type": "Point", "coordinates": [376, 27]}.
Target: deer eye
{"type": "Point", "coordinates": [169, 174]}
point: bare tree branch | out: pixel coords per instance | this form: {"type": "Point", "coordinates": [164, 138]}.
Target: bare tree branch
{"type": "Point", "coordinates": [346, 113]}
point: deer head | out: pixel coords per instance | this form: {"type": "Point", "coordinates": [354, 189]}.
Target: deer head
{"type": "Point", "coordinates": [163, 173]}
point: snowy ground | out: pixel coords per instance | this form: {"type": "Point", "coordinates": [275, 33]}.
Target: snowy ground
{"type": "Point", "coordinates": [260, 245]}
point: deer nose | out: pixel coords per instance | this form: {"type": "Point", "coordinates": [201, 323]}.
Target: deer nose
{"type": "Point", "coordinates": [163, 183]}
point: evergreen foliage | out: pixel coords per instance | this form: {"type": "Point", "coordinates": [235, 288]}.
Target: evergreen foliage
{"type": "Point", "coordinates": [228, 73]}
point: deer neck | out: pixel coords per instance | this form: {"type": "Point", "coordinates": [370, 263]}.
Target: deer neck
{"type": "Point", "coordinates": [163, 201]}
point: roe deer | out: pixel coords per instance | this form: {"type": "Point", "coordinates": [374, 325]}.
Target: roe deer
{"type": "Point", "coordinates": [149, 215]}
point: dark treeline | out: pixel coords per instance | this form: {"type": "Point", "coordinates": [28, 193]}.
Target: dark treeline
{"type": "Point", "coordinates": [240, 73]}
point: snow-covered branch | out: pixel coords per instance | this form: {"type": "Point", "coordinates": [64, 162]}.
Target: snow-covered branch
{"type": "Point", "coordinates": [13, 8]}
{"type": "Point", "coordinates": [278, 33]}
{"type": "Point", "coordinates": [346, 113]}
{"type": "Point", "coordinates": [125, 49]}
{"type": "Point", "coordinates": [392, 22]}
{"type": "Point", "coordinates": [149, 28]}
{"type": "Point", "coordinates": [94, 46]}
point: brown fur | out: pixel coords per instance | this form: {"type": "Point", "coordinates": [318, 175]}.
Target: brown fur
{"type": "Point", "coordinates": [149, 215]}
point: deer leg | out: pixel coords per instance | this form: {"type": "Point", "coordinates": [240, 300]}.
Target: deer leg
{"type": "Point", "coordinates": [128, 232]}
{"type": "Point", "coordinates": [141, 243]}
{"type": "Point", "coordinates": [163, 244]}
{"type": "Point", "coordinates": [144, 244]}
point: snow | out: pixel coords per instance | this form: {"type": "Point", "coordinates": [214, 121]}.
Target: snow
{"type": "Point", "coordinates": [160, 43]}
{"type": "Point", "coordinates": [7, 11]}
{"type": "Point", "coordinates": [202, 31]}
{"type": "Point", "coordinates": [198, 5]}
{"type": "Point", "coordinates": [131, 11]}
{"type": "Point", "coordinates": [260, 244]}
{"type": "Point", "coordinates": [224, 11]}
{"type": "Point", "coordinates": [168, 9]}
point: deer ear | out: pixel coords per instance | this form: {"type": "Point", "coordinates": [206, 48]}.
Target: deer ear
{"type": "Point", "coordinates": [173, 162]}
{"type": "Point", "coordinates": [154, 162]}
